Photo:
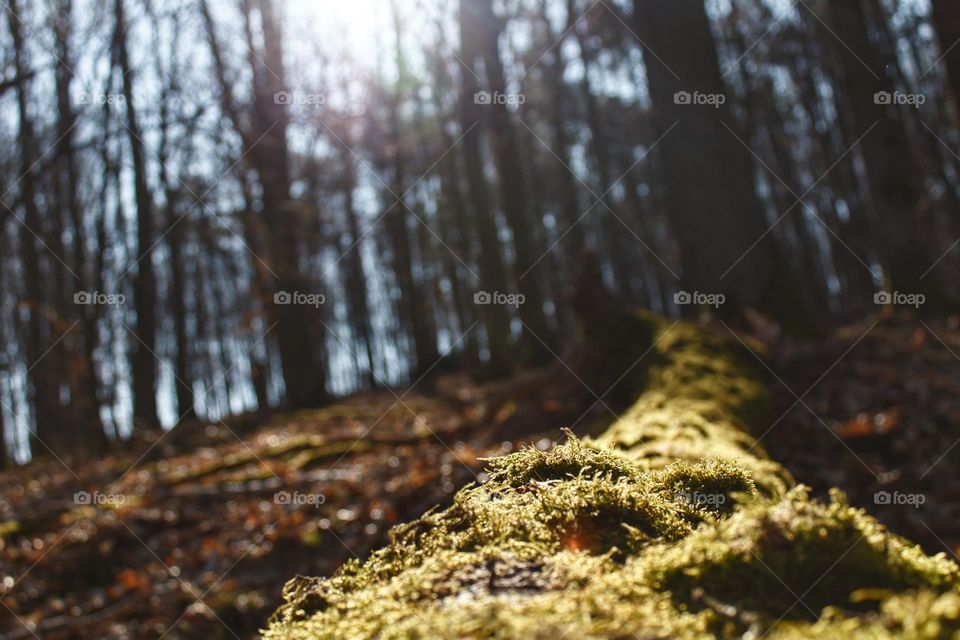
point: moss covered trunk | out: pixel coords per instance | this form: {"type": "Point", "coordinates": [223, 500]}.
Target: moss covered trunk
{"type": "Point", "coordinates": [673, 523]}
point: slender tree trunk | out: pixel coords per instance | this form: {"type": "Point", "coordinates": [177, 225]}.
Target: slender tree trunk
{"type": "Point", "coordinates": [43, 389]}
{"type": "Point", "coordinates": [454, 225]}
{"type": "Point", "coordinates": [107, 221]}
{"type": "Point", "coordinates": [145, 283]}
{"type": "Point", "coordinates": [493, 272]}
{"type": "Point", "coordinates": [414, 310]}
{"type": "Point", "coordinates": [894, 185]}
{"type": "Point", "coordinates": [179, 279]}
{"type": "Point", "coordinates": [560, 114]}
{"type": "Point", "coordinates": [612, 222]}
{"type": "Point", "coordinates": [299, 333]}
{"type": "Point", "coordinates": [354, 275]}
{"type": "Point", "coordinates": [84, 392]}
{"type": "Point", "coordinates": [453, 218]}
{"type": "Point", "coordinates": [538, 339]}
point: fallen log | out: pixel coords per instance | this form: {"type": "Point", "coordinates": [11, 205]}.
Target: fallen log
{"type": "Point", "coordinates": [673, 523]}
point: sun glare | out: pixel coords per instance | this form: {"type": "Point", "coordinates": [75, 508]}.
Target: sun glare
{"type": "Point", "coordinates": [359, 24]}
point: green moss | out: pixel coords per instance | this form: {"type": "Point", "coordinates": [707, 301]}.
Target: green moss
{"type": "Point", "coordinates": [671, 524]}
{"type": "Point", "coordinates": [768, 556]}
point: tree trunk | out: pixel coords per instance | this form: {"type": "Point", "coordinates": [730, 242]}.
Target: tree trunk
{"type": "Point", "coordinates": [453, 216]}
{"type": "Point", "coordinates": [710, 192]}
{"type": "Point", "coordinates": [299, 332]}
{"type": "Point", "coordinates": [415, 312]}
{"type": "Point", "coordinates": [611, 222]}
{"type": "Point", "coordinates": [895, 188]}
{"type": "Point", "coordinates": [43, 389]}
{"type": "Point", "coordinates": [946, 21]}
{"type": "Point", "coordinates": [144, 284]}
{"type": "Point", "coordinates": [84, 389]}
{"type": "Point", "coordinates": [493, 271]}
{"type": "Point", "coordinates": [672, 524]}
{"type": "Point", "coordinates": [560, 114]}
{"type": "Point", "coordinates": [178, 291]}
{"type": "Point", "coordinates": [354, 276]}
{"type": "Point", "coordinates": [514, 199]}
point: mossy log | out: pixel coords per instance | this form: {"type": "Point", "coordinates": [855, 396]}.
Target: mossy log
{"type": "Point", "coordinates": [673, 523]}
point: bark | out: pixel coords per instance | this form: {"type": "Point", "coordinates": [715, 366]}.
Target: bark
{"type": "Point", "coordinates": [453, 217]}
{"type": "Point", "coordinates": [178, 234]}
{"type": "Point", "coordinates": [84, 392]}
{"type": "Point", "coordinates": [856, 232]}
{"type": "Point", "coordinates": [354, 276]}
{"type": "Point", "coordinates": [611, 220]}
{"type": "Point", "coordinates": [493, 271]}
{"type": "Point", "coordinates": [896, 190]}
{"type": "Point", "coordinates": [145, 283]}
{"type": "Point", "coordinates": [672, 523]}
{"type": "Point", "coordinates": [263, 131]}
{"type": "Point", "coordinates": [554, 69]}
{"type": "Point", "coordinates": [415, 312]}
{"type": "Point", "coordinates": [946, 22]}
{"type": "Point", "coordinates": [515, 202]}
{"type": "Point", "coordinates": [718, 221]}
{"type": "Point", "coordinates": [298, 331]}
{"type": "Point", "coordinates": [43, 388]}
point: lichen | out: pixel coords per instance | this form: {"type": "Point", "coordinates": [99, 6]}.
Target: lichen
{"type": "Point", "coordinates": [671, 524]}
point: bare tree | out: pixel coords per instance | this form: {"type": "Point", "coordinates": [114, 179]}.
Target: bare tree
{"type": "Point", "coordinates": [718, 221]}
{"type": "Point", "coordinates": [515, 202]}
{"type": "Point", "coordinates": [263, 132]}
{"type": "Point", "coordinates": [493, 271]}
{"type": "Point", "coordinates": [38, 330]}
{"type": "Point", "coordinates": [145, 282]}
{"type": "Point", "coordinates": [896, 189]}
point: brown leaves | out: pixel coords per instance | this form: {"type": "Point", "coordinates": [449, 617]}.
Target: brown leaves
{"type": "Point", "coordinates": [879, 424]}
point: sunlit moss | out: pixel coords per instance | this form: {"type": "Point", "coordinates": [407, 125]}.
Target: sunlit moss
{"type": "Point", "coordinates": [672, 524]}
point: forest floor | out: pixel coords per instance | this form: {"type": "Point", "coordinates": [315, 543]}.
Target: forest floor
{"type": "Point", "coordinates": [194, 534]}
{"type": "Point", "coordinates": [875, 410]}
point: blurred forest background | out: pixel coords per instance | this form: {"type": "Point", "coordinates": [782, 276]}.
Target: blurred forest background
{"type": "Point", "coordinates": [173, 169]}
{"type": "Point", "coordinates": [215, 212]}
